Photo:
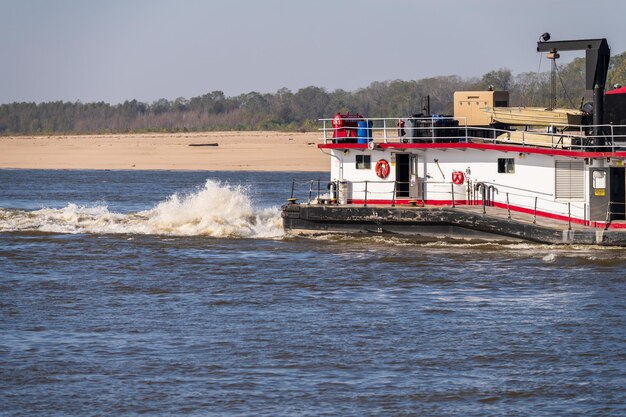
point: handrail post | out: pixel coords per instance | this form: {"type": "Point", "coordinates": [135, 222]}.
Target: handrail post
{"type": "Point", "coordinates": [318, 190]}
{"type": "Point", "coordinates": [612, 139]}
{"type": "Point", "coordinates": [508, 206]}
{"type": "Point", "coordinates": [325, 138]}
{"type": "Point", "coordinates": [384, 130]}
{"type": "Point", "coordinates": [365, 198]}
{"type": "Point", "coordinates": [393, 197]}
{"type": "Point", "coordinates": [432, 128]}
{"type": "Point", "coordinates": [569, 216]}
{"type": "Point", "coordinates": [452, 187]}
{"type": "Point", "coordinates": [484, 201]}
{"type": "Point", "coordinates": [535, 213]}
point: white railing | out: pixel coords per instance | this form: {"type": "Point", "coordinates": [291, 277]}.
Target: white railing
{"type": "Point", "coordinates": [445, 193]}
{"type": "Point", "coordinates": [430, 130]}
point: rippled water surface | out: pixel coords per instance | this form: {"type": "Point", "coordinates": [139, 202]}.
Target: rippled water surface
{"type": "Point", "coordinates": [126, 293]}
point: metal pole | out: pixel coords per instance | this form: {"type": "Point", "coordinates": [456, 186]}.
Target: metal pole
{"type": "Point", "coordinates": [365, 199]}
{"type": "Point", "coordinates": [310, 192]}
{"type": "Point", "coordinates": [432, 127]}
{"type": "Point", "coordinates": [384, 130]}
{"type": "Point", "coordinates": [608, 215]}
{"type": "Point", "coordinates": [393, 197]}
{"type": "Point", "coordinates": [535, 214]}
{"type": "Point", "coordinates": [482, 188]}
{"type": "Point", "coordinates": [612, 139]}
{"type": "Point", "coordinates": [452, 186]}
{"type": "Point", "coordinates": [508, 206]}
{"type": "Point", "coordinates": [569, 216]}
{"type": "Point", "coordinates": [318, 190]}
{"type": "Point", "coordinates": [553, 57]}
{"type": "Point", "coordinates": [293, 186]}
{"type": "Point", "coordinates": [598, 112]}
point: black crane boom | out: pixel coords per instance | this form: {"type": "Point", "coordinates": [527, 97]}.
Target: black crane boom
{"type": "Point", "coordinates": [597, 57]}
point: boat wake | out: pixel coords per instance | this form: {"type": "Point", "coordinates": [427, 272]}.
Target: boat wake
{"type": "Point", "coordinates": [216, 210]}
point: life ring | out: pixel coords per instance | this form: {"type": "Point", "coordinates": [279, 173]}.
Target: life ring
{"type": "Point", "coordinates": [458, 177]}
{"type": "Point", "coordinates": [382, 168]}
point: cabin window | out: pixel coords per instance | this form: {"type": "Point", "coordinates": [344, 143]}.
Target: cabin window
{"type": "Point", "coordinates": [506, 165]}
{"type": "Point", "coordinates": [570, 180]}
{"type": "Point", "coordinates": [363, 162]}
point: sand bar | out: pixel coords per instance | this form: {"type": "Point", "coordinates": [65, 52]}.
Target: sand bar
{"type": "Point", "coordinates": [217, 151]}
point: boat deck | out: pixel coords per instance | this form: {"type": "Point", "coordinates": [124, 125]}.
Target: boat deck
{"type": "Point", "coordinates": [515, 216]}
{"type": "Point", "coordinates": [461, 221]}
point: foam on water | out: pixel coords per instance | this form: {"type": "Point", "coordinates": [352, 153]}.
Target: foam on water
{"type": "Point", "coordinates": [551, 257]}
{"type": "Point", "coordinates": [217, 210]}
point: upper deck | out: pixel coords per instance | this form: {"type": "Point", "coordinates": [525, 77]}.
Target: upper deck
{"type": "Point", "coordinates": [453, 133]}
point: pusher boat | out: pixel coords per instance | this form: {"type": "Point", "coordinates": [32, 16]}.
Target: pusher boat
{"type": "Point", "coordinates": [489, 171]}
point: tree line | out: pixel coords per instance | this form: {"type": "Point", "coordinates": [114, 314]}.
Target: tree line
{"type": "Point", "coordinates": [286, 110]}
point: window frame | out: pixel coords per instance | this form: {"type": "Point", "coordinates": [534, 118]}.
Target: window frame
{"type": "Point", "coordinates": [507, 166]}
{"type": "Point", "coordinates": [365, 163]}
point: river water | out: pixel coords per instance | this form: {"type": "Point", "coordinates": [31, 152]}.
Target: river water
{"type": "Point", "coordinates": [177, 293]}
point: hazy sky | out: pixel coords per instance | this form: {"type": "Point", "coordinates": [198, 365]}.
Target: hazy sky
{"type": "Point", "coordinates": [115, 50]}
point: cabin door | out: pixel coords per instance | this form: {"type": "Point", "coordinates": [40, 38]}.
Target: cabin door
{"type": "Point", "coordinates": [598, 194]}
{"type": "Point", "coordinates": [414, 181]}
{"type": "Point", "coordinates": [617, 185]}
{"type": "Point", "coordinates": [407, 180]}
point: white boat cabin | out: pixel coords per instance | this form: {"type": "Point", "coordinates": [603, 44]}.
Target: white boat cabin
{"type": "Point", "coordinates": [561, 171]}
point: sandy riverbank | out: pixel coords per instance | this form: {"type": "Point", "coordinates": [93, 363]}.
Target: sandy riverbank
{"type": "Point", "coordinates": [235, 151]}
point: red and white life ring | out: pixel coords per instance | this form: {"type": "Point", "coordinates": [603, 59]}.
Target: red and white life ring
{"type": "Point", "coordinates": [458, 177]}
{"type": "Point", "coordinates": [382, 168]}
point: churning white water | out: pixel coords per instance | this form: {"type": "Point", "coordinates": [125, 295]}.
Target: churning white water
{"type": "Point", "coordinates": [217, 210]}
